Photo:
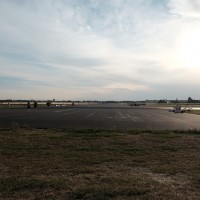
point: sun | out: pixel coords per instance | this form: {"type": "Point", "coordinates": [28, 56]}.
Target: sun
{"type": "Point", "coordinates": [189, 51]}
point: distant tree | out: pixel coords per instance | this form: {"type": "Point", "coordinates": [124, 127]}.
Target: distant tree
{"type": "Point", "coordinates": [190, 100]}
{"type": "Point", "coordinates": [175, 101]}
{"type": "Point", "coordinates": [35, 104]}
{"type": "Point", "coordinates": [162, 101]}
{"type": "Point", "coordinates": [28, 104]}
{"type": "Point", "coordinates": [48, 103]}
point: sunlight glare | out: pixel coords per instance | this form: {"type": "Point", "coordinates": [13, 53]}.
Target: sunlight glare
{"type": "Point", "coordinates": [190, 48]}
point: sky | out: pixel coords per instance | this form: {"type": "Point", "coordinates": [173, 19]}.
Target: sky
{"type": "Point", "coordinates": [99, 49]}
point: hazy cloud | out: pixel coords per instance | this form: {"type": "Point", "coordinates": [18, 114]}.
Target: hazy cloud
{"type": "Point", "coordinates": [115, 49]}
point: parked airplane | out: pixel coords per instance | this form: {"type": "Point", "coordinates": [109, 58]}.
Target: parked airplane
{"type": "Point", "coordinates": [180, 109]}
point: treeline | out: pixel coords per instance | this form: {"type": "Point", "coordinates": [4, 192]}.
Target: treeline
{"type": "Point", "coordinates": [161, 101]}
{"type": "Point", "coordinates": [189, 100]}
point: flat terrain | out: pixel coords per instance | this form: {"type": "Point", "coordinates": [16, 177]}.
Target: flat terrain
{"type": "Point", "coordinates": [102, 165]}
{"type": "Point", "coordinates": [98, 117]}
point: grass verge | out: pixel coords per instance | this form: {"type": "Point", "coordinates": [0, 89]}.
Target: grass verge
{"type": "Point", "coordinates": [97, 164]}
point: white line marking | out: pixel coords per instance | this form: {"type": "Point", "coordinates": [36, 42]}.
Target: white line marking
{"type": "Point", "coordinates": [89, 115]}
{"type": "Point", "coordinates": [132, 118]}
{"type": "Point", "coordinates": [167, 116]}
{"type": "Point", "coordinates": [121, 116]}
{"type": "Point", "coordinates": [131, 112]}
{"type": "Point", "coordinates": [173, 118]}
{"type": "Point", "coordinates": [72, 112]}
{"type": "Point", "coordinates": [170, 117]}
{"type": "Point", "coordinates": [63, 110]}
{"type": "Point", "coordinates": [145, 114]}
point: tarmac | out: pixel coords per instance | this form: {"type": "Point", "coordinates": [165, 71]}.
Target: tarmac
{"type": "Point", "coordinates": [98, 117]}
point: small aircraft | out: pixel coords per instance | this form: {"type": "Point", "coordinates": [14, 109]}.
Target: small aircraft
{"type": "Point", "coordinates": [180, 109]}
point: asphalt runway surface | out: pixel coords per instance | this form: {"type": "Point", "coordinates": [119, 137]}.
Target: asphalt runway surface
{"type": "Point", "coordinates": [98, 118]}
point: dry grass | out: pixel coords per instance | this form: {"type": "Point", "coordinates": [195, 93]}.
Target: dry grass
{"type": "Point", "coordinates": [59, 164]}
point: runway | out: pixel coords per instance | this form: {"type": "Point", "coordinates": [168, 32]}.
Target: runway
{"type": "Point", "coordinates": [98, 118]}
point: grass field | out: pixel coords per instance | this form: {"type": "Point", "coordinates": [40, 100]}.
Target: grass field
{"type": "Point", "coordinates": [88, 164]}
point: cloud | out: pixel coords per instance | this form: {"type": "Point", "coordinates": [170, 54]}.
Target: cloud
{"type": "Point", "coordinates": [103, 49]}
{"type": "Point", "coordinates": [186, 8]}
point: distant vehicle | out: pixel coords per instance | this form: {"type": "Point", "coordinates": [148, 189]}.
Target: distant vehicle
{"type": "Point", "coordinates": [135, 104]}
{"type": "Point", "coordinates": [179, 109]}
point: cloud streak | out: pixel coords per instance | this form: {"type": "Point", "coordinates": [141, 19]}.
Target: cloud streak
{"type": "Point", "coordinates": [115, 49]}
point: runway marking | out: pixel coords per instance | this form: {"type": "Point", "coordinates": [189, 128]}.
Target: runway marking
{"type": "Point", "coordinates": [145, 114]}
{"type": "Point", "coordinates": [182, 120]}
{"type": "Point", "coordinates": [133, 113]}
{"type": "Point", "coordinates": [72, 112]}
{"type": "Point", "coordinates": [121, 116]}
{"type": "Point", "coordinates": [178, 119]}
{"type": "Point", "coordinates": [167, 116]}
{"type": "Point", "coordinates": [89, 115]}
{"type": "Point", "coordinates": [170, 117]}
{"type": "Point", "coordinates": [63, 110]}
{"type": "Point", "coordinates": [132, 118]}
